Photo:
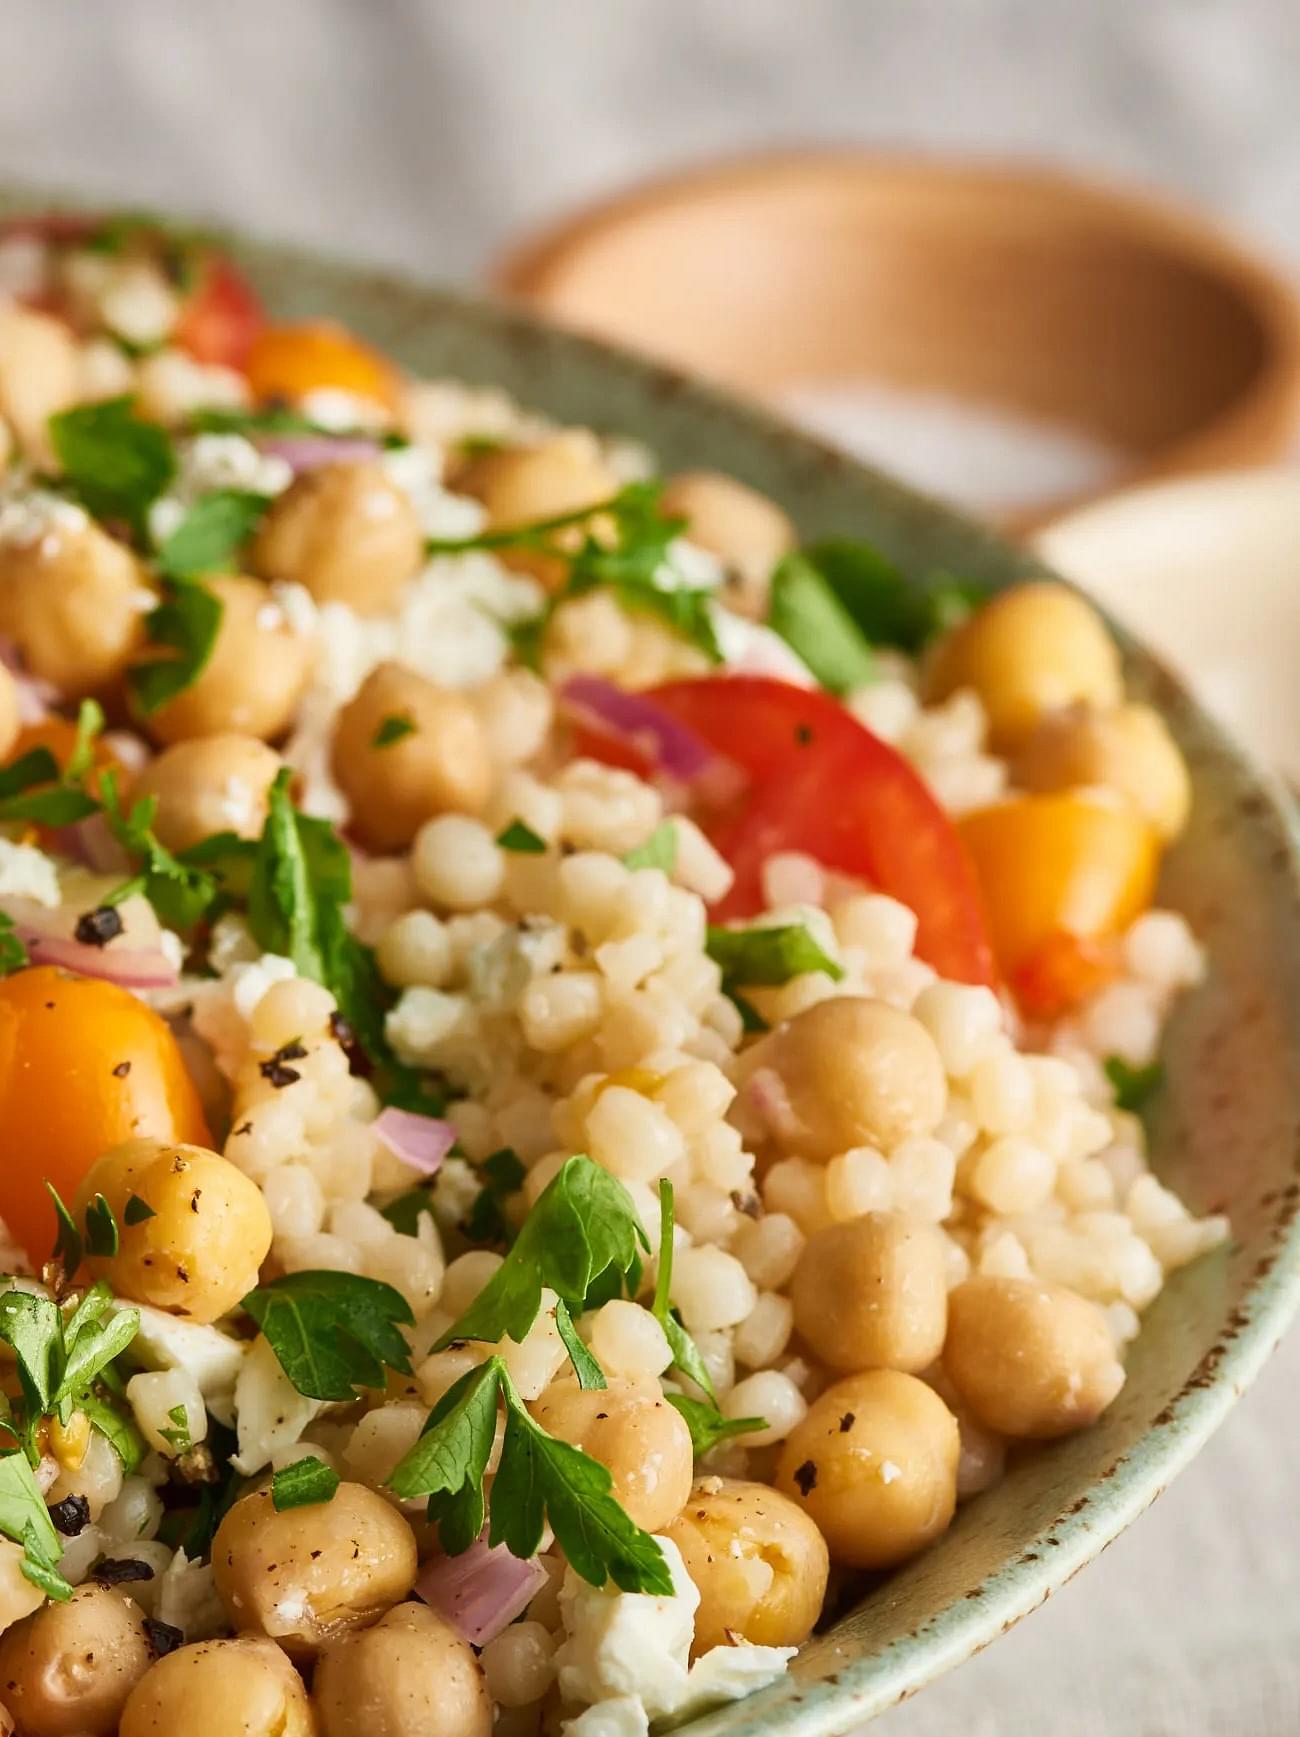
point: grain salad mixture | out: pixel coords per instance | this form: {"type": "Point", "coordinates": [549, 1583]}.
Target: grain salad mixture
{"type": "Point", "coordinates": [570, 1068]}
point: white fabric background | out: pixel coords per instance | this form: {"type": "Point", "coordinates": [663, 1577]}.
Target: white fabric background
{"type": "Point", "coordinates": [424, 132]}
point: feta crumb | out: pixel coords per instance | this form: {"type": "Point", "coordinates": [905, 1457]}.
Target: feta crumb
{"type": "Point", "coordinates": [270, 1413]}
{"type": "Point", "coordinates": [622, 1644]}
{"type": "Point", "coordinates": [212, 1357]}
{"type": "Point", "coordinates": [418, 473]}
{"type": "Point", "coordinates": [187, 1599]}
{"type": "Point", "coordinates": [29, 516]}
{"type": "Point", "coordinates": [216, 461]}
{"type": "Point", "coordinates": [340, 412]}
{"type": "Point", "coordinates": [421, 1023]}
{"type": "Point", "coordinates": [27, 873]}
{"type": "Point", "coordinates": [730, 1673]}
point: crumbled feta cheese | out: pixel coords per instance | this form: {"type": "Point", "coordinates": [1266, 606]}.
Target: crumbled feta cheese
{"type": "Point", "coordinates": [619, 1716]}
{"type": "Point", "coordinates": [212, 1357]}
{"type": "Point", "coordinates": [216, 461]}
{"type": "Point", "coordinates": [687, 565]}
{"type": "Point", "coordinates": [270, 1413]}
{"type": "Point", "coordinates": [421, 1023]}
{"type": "Point", "coordinates": [729, 1673]}
{"type": "Point", "coordinates": [29, 516]}
{"type": "Point", "coordinates": [27, 873]}
{"type": "Point", "coordinates": [418, 473]}
{"type": "Point", "coordinates": [752, 649]}
{"type": "Point", "coordinates": [187, 1599]}
{"type": "Point", "coordinates": [627, 1643]}
{"type": "Point", "coordinates": [172, 384]}
{"type": "Point", "coordinates": [103, 371]}
{"type": "Point", "coordinates": [338, 411]}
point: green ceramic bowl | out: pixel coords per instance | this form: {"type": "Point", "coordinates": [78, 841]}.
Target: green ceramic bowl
{"type": "Point", "coordinates": [1226, 1133]}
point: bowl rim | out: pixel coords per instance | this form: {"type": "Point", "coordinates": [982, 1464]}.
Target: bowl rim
{"type": "Point", "coordinates": [829, 1706]}
{"type": "Point", "coordinates": [1252, 427]}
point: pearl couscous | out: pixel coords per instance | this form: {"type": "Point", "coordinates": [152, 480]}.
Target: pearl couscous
{"type": "Point", "coordinates": [569, 1065]}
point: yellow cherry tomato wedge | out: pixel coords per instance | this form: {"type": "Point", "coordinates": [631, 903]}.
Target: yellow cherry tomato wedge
{"type": "Point", "coordinates": [84, 1065]}
{"type": "Point", "coordinates": [1062, 864]}
{"type": "Point", "coordinates": [287, 362]}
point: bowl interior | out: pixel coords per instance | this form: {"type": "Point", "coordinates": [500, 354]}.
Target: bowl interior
{"type": "Point", "coordinates": [1227, 1131]}
{"type": "Point", "coordinates": [1099, 312]}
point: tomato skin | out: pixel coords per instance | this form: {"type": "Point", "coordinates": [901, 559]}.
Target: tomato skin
{"type": "Point", "coordinates": [824, 785]}
{"type": "Point", "coordinates": [222, 317]}
{"type": "Point", "coordinates": [287, 362]}
{"type": "Point", "coordinates": [61, 1101]}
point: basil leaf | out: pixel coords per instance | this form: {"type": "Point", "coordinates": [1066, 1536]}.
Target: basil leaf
{"type": "Point", "coordinates": [212, 533]}
{"type": "Point", "coordinates": [333, 1332]}
{"type": "Point", "coordinates": [113, 461]}
{"type": "Point", "coordinates": [812, 621]}
{"type": "Point", "coordinates": [521, 838]}
{"type": "Point", "coordinates": [187, 621]}
{"type": "Point", "coordinates": [768, 956]}
{"type": "Point", "coordinates": [659, 850]}
{"type": "Point", "coordinates": [303, 1484]}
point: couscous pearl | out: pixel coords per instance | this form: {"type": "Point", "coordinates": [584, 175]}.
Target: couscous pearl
{"type": "Point", "coordinates": [457, 862]}
{"type": "Point", "coordinates": [1002, 1092]}
{"type": "Point", "coordinates": [519, 1664]}
{"type": "Point", "coordinates": [798, 1189]}
{"type": "Point", "coordinates": [765, 1332]}
{"type": "Point", "coordinates": [962, 1020]}
{"type": "Point", "coordinates": [858, 1181]}
{"type": "Point", "coordinates": [290, 1011]}
{"type": "Point", "coordinates": [295, 1200]}
{"type": "Point", "coordinates": [769, 1395]}
{"type": "Point", "coordinates": [768, 1248]}
{"type": "Point", "coordinates": [632, 1137]}
{"type": "Point", "coordinates": [1012, 1175]}
{"type": "Point", "coordinates": [923, 1171]}
{"type": "Point", "coordinates": [557, 1011]}
{"type": "Point", "coordinates": [465, 1278]}
{"type": "Point", "coordinates": [711, 1288]}
{"type": "Point", "coordinates": [627, 1340]}
{"type": "Point", "coordinates": [881, 929]}
{"type": "Point", "coordinates": [415, 950]}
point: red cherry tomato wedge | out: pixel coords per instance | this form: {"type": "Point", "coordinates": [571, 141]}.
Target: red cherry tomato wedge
{"type": "Point", "coordinates": [221, 316]}
{"type": "Point", "coordinates": [824, 785]}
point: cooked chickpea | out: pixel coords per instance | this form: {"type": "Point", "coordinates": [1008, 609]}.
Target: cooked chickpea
{"type": "Point", "coordinates": [10, 712]}
{"type": "Point", "coordinates": [846, 1072]}
{"type": "Point", "coordinates": [1028, 1358]}
{"type": "Point", "coordinates": [212, 784]}
{"type": "Point", "coordinates": [1127, 749]}
{"type": "Point", "coordinates": [1031, 650]}
{"type": "Point", "coordinates": [210, 1231]}
{"type": "Point", "coordinates": [746, 531]}
{"type": "Point", "coordinates": [68, 1669]}
{"type": "Point", "coordinates": [407, 1676]}
{"type": "Point", "coordinates": [345, 531]}
{"type": "Point", "coordinates": [307, 1575]}
{"type": "Point", "coordinates": [220, 1688]}
{"type": "Point", "coordinates": [252, 681]}
{"type": "Point", "coordinates": [871, 1293]}
{"type": "Point", "coordinates": [73, 600]}
{"type": "Point", "coordinates": [38, 375]}
{"type": "Point", "coordinates": [440, 763]}
{"type": "Point", "coordinates": [875, 1465]}
{"type": "Point", "coordinates": [634, 1432]}
{"type": "Point", "coordinates": [759, 1562]}
{"type": "Point", "coordinates": [519, 485]}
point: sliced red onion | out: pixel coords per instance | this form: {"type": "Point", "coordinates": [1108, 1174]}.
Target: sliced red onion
{"type": "Point", "coordinates": [43, 933]}
{"type": "Point", "coordinates": [638, 723]}
{"type": "Point", "coordinates": [35, 697]}
{"type": "Point", "coordinates": [482, 1591]}
{"type": "Point", "coordinates": [420, 1141]}
{"type": "Point", "coordinates": [310, 451]}
{"type": "Point", "coordinates": [91, 842]}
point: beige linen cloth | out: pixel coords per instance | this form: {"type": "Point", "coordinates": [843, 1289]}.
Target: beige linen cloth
{"type": "Point", "coordinates": [424, 132]}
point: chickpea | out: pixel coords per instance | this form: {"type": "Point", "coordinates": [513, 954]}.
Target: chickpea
{"type": "Point", "coordinates": [253, 678]}
{"type": "Point", "coordinates": [345, 531]}
{"type": "Point", "coordinates": [1028, 1358]}
{"type": "Point", "coordinates": [38, 375]}
{"type": "Point", "coordinates": [10, 712]}
{"type": "Point", "coordinates": [747, 532]}
{"type": "Point", "coordinates": [759, 1562]}
{"type": "Point", "coordinates": [210, 1231]}
{"type": "Point", "coordinates": [73, 600]}
{"type": "Point", "coordinates": [846, 1072]}
{"type": "Point", "coordinates": [212, 784]}
{"type": "Point", "coordinates": [220, 1688]}
{"type": "Point", "coordinates": [875, 1464]}
{"type": "Point", "coordinates": [871, 1293]}
{"type": "Point", "coordinates": [1028, 651]}
{"type": "Point", "coordinates": [68, 1669]}
{"type": "Point", "coordinates": [440, 764]}
{"type": "Point", "coordinates": [634, 1432]}
{"type": "Point", "coordinates": [307, 1575]}
{"type": "Point", "coordinates": [407, 1676]}
{"type": "Point", "coordinates": [519, 485]}
{"type": "Point", "coordinates": [1128, 749]}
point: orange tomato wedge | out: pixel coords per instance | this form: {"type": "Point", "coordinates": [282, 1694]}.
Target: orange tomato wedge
{"type": "Point", "coordinates": [84, 1065]}
{"type": "Point", "coordinates": [287, 362]}
{"type": "Point", "coordinates": [1061, 865]}
{"type": "Point", "coordinates": [59, 735]}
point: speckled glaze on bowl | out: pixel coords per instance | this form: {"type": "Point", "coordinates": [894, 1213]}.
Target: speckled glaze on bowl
{"type": "Point", "coordinates": [1226, 1131]}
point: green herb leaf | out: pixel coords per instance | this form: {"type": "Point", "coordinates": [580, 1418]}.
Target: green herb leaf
{"type": "Point", "coordinates": [306, 1483]}
{"type": "Point", "coordinates": [708, 1426]}
{"type": "Point", "coordinates": [118, 1430]}
{"type": "Point", "coordinates": [521, 838]}
{"type": "Point", "coordinates": [187, 621]}
{"type": "Point", "coordinates": [33, 788]}
{"type": "Point", "coordinates": [583, 1226]}
{"type": "Point", "coordinates": [33, 1329]}
{"type": "Point", "coordinates": [178, 1437]}
{"type": "Point", "coordinates": [114, 462]}
{"type": "Point", "coordinates": [503, 1175]}
{"type": "Point", "coordinates": [751, 1020]}
{"type": "Point", "coordinates": [91, 1347]}
{"type": "Point", "coordinates": [211, 535]}
{"type": "Point", "coordinates": [686, 1353]}
{"type": "Point", "coordinates": [25, 1518]}
{"type": "Point", "coordinates": [392, 729]}
{"type": "Point", "coordinates": [333, 1332]}
{"type": "Point", "coordinates": [817, 627]}
{"type": "Point", "coordinates": [448, 1462]}
{"type": "Point", "coordinates": [40, 1566]}
{"type": "Point", "coordinates": [585, 1367]}
{"type": "Point", "coordinates": [270, 419]}
{"type": "Point", "coordinates": [67, 1240]}
{"type": "Point", "coordinates": [659, 850]}
{"type": "Point", "coordinates": [889, 609]}
{"type": "Point", "coordinates": [178, 892]}
{"type": "Point", "coordinates": [13, 954]}
{"type": "Point", "coordinates": [102, 1236]}
{"type": "Point", "coordinates": [90, 722]}
{"type": "Point", "coordinates": [137, 1210]}
{"type": "Point", "coordinates": [405, 1213]}
{"type": "Point", "coordinates": [768, 956]}
{"type": "Point", "coordinates": [1134, 1087]}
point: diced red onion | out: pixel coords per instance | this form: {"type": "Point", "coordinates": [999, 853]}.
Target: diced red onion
{"type": "Point", "coordinates": [310, 451]}
{"type": "Point", "coordinates": [91, 842]}
{"type": "Point", "coordinates": [35, 697]}
{"type": "Point", "coordinates": [638, 723]}
{"type": "Point", "coordinates": [43, 934]}
{"type": "Point", "coordinates": [482, 1591]}
{"type": "Point", "coordinates": [420, 1141]}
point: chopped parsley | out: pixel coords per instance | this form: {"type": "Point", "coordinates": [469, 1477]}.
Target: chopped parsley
{"type": "Point", "coordinates": [392, 729]}
{"type": "Point", "coordinates": [1133, 1087]}
{"type": "Point", "coordinates": [708, 1426]}
{"type": "Point", "coordinates": [33, 788]}
{"type": "Point", "coordinates": [185, 623]}
{"type": "Point", "coordinates": [61, 1356]}
{"type": "Point", "coordinates": [305, 1483]}
{"type": "Point", "coordinates": [521, 839]}
{"type": "Point", "coordinates": [212, 533]}
{"type": "Point", "coordinates": [886, 607]}
{"type": "Point", "coordinates": [102, 1236]}
{"type": "Point", "coordinates": [180, 892]}
{"type": "Point", "coordinates": [113, 461]}
{"type": "Point", "coordinates": [178, 1437]}
{"type": "Point", "coordinates": [659, 850]}
{"type": "Point", "coordinates": [503, 1174]}
{"type": "Point", "coordinates": [137, 1210]}
{"type": "Point", "coordinates": [768, 956]}
{"type": "Point", "coordinates": [13, 953]}
{"type": "Point", "coordinates": [810, 618]}
{"type": "Point", "coordinates": [25, 1518]}
{"type": "Point", "coordinates": [333, 1333]}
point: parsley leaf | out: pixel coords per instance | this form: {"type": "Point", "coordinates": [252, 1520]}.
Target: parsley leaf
{"type": "Point", "coordinates": [521, 838]}
{"type": "Point", "coordinates": [817, 627]}
{"type": "Point", "coordinates": [25, 1518]}
{"type": "Point", "coordinates": [90, 722]}
{"type": "Point", "coordinates": [708, 1426]}
{"type": "Point", "coordinates": [503, 1175]}
{"type": "Point", "coordinates": [178, 1437]}
{"type": "Point", "coordinates": [888, 608]}
{"type": "Point", "coordinates": [113, 461]}
{"type": "Point", "coordinates": [303, 1484]}
{"type": "Point", "coordinates": [117, 1429]}
{"type": "Point", "coordinates": [137, 1210]}
{"type": "Point", "coordinates": [448, 1462]}
{"type": "Point", "coordinates": [405, 1212]}
{"type": "Point", "coordinates": [179, 892]}
{"type": "Point", "coordinates": [585, 1367]}
{"type": "Point", "coordinates": [32, 1327]}
{"type": "Point", "coordinates": [210, 536]}
{"type": "Point", "coordinates": [659, 850]}
{"type": "Point", "coordinates": [582, 1227]}
{"type": "Point", "coordinates": [13, 954]}
{"type": "Point", "coordinates": [686, 1354]}
{"type": "Point", "coordinates": [67, 1239]}
{"type": "Point", "coordinates": [1133, 1087]}
{"type": "Point", "coordinates": [767, 956]}
{"type": "Point", "coordinates": [187, 622]}
{"type": "Point", "coordinates": [102, 1236]}
{"type": "Point", "coordinates": [33, 788]}
{"type": "Point", "coordinates": [333, 1332]}
{"type": "Point", "coordinates": [392, 729]}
